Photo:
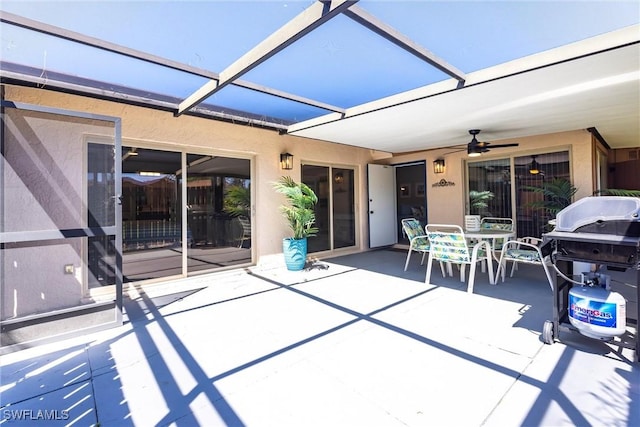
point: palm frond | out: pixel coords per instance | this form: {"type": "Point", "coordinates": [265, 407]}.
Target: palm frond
{"type": "Point", "coordinates": [299, 213]}
{"type": "Point", "coordinates": [237, 200]}
{"type": "Point", "coordinates": [617, 192]}
{"type": "Point", "coordinates": [557, 195]}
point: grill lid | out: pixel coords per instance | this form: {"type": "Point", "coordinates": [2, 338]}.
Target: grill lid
{"type": "Point", "coordinates": [599, 211]}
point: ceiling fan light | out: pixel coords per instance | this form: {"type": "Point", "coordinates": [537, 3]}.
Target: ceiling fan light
{"type": "Point", "coordinates": [474, 154]}
{"type": "Point", "coordinates": [534, 167]}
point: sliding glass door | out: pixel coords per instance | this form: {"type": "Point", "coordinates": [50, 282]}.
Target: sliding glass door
{"type": "Point", "coordinates": [151, 223]}
{"type": "Point", "coordinates": [539, 183]}
{"type": "Point", "coordinates": [216, 231]}
{"type": "Point", "coordinates": [490, 188]}
{"type": "Point", "coordinates": [524, 188]}
{"type": "Point", "coordinates": [335, 211]}
{"type": "Point", "coordinates": [218, 212]}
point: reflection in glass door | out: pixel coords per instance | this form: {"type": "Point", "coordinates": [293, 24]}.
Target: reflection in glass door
{"type": "Point", "coordinates": [317, 178]}
{"type": "Point", "coordinates": [490, 188]}
{"type": "Point", "coordinates": [151, 226]}
{"type": "Point", "coordinates": [101, 209]}
{"type": "Point", "coordinates": [218, 212]}
{"type": "Point", "coordinates": [533, 178]}
{"type": "Point", "coordinates": [344, 220]}
{"type": "Point", "coordinates": [535, 190]}
{"type": "Point", "coordinates": [218, 201]}
{"type": "Point", "coordinates": [335, 211]}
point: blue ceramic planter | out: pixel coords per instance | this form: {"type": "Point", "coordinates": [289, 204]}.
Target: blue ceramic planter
{"type": "Point", "coordinates": [295, 253]}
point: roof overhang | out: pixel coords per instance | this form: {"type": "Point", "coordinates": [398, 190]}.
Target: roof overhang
{"type": "Point", "coordinates": [594, 83]}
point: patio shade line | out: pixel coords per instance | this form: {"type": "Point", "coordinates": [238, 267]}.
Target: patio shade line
{"type": "Point", "coordinates": [369, 317]}
{"type": "Point", "coordinates": [369, 21]}
{"type": "Point", "coordinates": [310, 19]}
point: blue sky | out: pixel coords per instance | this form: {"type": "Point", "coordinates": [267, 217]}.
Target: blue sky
{"type": "Point", "coordinates": [340, 63]}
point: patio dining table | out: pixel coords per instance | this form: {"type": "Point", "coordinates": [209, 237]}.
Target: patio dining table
{"type": "Point", "coordinates": [491, 236]}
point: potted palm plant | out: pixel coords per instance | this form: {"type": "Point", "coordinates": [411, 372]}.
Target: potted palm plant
{"type": "Point", "coordinates": [301, 217]}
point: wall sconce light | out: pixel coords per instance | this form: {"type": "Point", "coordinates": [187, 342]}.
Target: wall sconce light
{"type": "Point", "coordinates": [534, 167]}
{"type": "Point", "coordinates": [286, 161]}
{"type": "Point", "coordinates": [438, 166]}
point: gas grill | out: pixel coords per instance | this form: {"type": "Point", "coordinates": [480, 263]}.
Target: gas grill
{"type": "Point", "coordinates": [597, 230]}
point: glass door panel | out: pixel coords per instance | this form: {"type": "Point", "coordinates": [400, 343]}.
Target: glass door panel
{"type": "Point", "coordinates": [490, 188]}
{"type": "Point", "coordinates": [344, 220]}
{"type": "Point", "coordinates": [335, 210]}
{"type": "Point", "coordinates": [101, 198]}
{"type": "Point", "coordinates": [317, 178]}
{"type": "Point", "coordinates": [537, 193]}
{"type": "Point", "coordinates": [218, 212]}
{"type": "Point", "coordinates": [151, 226]}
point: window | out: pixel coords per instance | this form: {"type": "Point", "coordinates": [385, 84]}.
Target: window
{"type": "Point", "coordinates": [520, 185]}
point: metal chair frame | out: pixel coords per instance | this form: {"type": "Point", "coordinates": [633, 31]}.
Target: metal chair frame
{"type": "Point", "coordinates": [418, 240]}
{"type": "Point", "coordinates": [449, 245]}
{"type": "Point", "coordinates": [519, 251]}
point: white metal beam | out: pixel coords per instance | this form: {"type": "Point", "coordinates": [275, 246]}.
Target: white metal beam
{"type": "Point", "coordinates": [311, 18]}
{"type": "Point", "coordinates": [75, 37]}
{"type": "Point", "coordinates": [374, 24]}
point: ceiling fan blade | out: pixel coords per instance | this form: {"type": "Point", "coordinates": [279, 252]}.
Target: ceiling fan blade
{"type": "Point", "coordinates": [515, 144]}
{"type": "Point", "coordinates": [454, 151]}
{"type": "Point", "coordinates": [476, 147]}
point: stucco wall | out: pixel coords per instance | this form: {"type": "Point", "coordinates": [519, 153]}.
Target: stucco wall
{"type": "Point", "coordinates": [43, 191]}
{"type": "Point", "coordinates": [447, 204]}
{"type": "Point", "coordinates": [162, 129]}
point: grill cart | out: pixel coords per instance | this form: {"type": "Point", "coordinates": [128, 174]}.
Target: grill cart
{"type": "Point", "coordinates": [604, 231]}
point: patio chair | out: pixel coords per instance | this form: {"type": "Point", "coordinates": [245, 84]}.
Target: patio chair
{"type": "Point", "coordinates": [520, 251]}
{"type": "Point", "coordinates": [495, 223]}
{"type": "Point", "coordinates": [530, 240]}
{"type": "Point", "coordinates": [449, 245]}
{"type": "Point", "coordinates": [418, 241]}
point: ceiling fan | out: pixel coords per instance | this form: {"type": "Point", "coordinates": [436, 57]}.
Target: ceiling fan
{"type": "Point", "coordinates": [475, 147]}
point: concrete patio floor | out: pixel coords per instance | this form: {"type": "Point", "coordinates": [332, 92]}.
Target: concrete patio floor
{"type": "Point", "coordinates": [361, 343]}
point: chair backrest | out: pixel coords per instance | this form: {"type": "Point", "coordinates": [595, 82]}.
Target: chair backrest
{"type": "Point", "coordinates": [493, 223]}
{"type": "Point", "coordinates": [246, 226]}
{"type": "Point", "coordinates": [448, 243]}
{"type": "Point", "coordinates": [472, 222]}
{"type": "Point", "coordinates": [530, 240]}
{"type": "Point", "coordinates": [413, 229]}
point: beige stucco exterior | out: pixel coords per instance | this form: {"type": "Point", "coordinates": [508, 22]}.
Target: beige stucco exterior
{"type": "Point", "coordinates": [158, 129]}
{"type": "Point", "coordinates": [161, 129]}
{"type": "Point", "coordinates": [446, 205]}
